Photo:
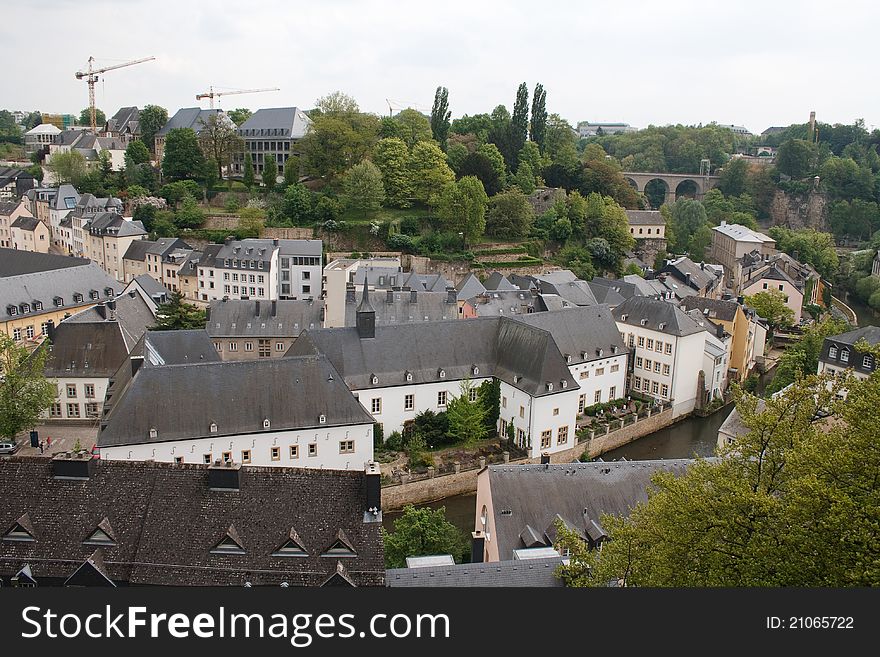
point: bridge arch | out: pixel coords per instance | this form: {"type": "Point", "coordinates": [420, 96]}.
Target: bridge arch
{"type": "Point", "coordinates": [658, 192]}
{"type": "Point", "coordinates": [688, 188]}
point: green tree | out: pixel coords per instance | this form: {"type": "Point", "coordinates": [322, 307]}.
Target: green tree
{"type": "Point", "coordinates": [33, 119]}
{"type": "Point", "coordinates": [429, 171]}
{"type": "Point", "coordinates": [733, 177]}
{"type": "Point", "coordinates": [519, 126]}
{"type": "Point", "coordinates": [291, 170]}
{"type": "Point", "coordinates": [297, 205]}
{"type": "Point", "coordinates": [137, 153]}
{"type": "Point", "coordinates": [560, 142]}
{"type": "Point", "coordinates": [24, 391]}
{"type": "Point", "coordinates": [440, 116]}
{"type": "Point", "coordinates": [337, 103]}
{"type": "Point", "coordinates": [462, 208]}
{"type": "Point", "coordinates": [809, 246]}
{"type": "Point", "coordinates": [770, 304]}
{"type": "Point", "coordinates": [455, 155]}
{"type": "Point", "coordinates": [239, 115]}
{"type": "Point", "coordinates": [491, 153]}
{"type": "Point", "coordinates": [531, 155]}
{"type": "Point", "coordinates": [414, 126]}
{"type": "Point", "coordinates": [479, 125]}
{"type": "Point", "coordinates": [178, 315]}
{"type": "Point", "coordinates": [183, 159]}
{"type": "Point", "coordinates": [151, 120]}
{"type": "Point", "coordinates": [85, 117]}
{"type": "Point", "coordinates": [337, 141]}
{"type": "Point", "coordinates": [422, 532]}
{"type": "Point", "coordinates": [699, 242]}
{"type": "Point", "coordinates": [607, 220]}
{"type": "Point", "coordinates": [392, 158]}
{"type": "Point", "coordinates": [248, 177]}
{"type": "Point", "coordinates": [538, 124]}
{"type": "Point", "coordinates": [525, 178]}
{"type": "Point", "coordinates": [686, 217]}
{"type": "Point", "coordinates": [363, 187]}
{"type": "Point", "coordinates": [858, 218]}
{"type": "Point", "coordinates": [219, 141]}
{"type": "Point", "coordinates": [190, 215]}
{"type": "Point", "coordinates": [270, 172]}
{"type": "Point", "coordinates": [69, 167]}
{"type": "Point", "coordinates": [796, 158]}
{"type": "Point", "coordinates": [801, 358]}
{"type": "Point", "coordinates": [482, 168]}
{"type": "Point", "coordinates": [467, 417]}
{"type": "Point", "coordinates": [10, 132]}
{"type": "Point", "coordinates": [510, 214]}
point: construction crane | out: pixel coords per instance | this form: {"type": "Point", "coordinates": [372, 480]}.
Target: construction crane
{"type": "Point", "coordinates": [402, 105]}
{"type": "Point", "coordinates": [92, 77]}
{"type": "Point", "coordinates": [211, 93]}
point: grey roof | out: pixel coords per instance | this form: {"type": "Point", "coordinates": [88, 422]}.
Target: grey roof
{"type": "Point", "coordinates": [189, 266]}
{"type": "Point", "coordinates": [209, 255]}
{"type": "Point", "coordinates": [551, 302]}
{"type": "Point", "coordinates": [610, 294]}
{"type": "Point", "coordinates": [871, 334]}
{"type": "Point", "coordinates": [25, 223]}
{"type": "Point", "coordinates": [469, 287]}
{"type": "Point", "coordinates": [298, 247]}
{"type": "Point", "coordinates": [14, 262]}
{"type": "Point", "coordinates": [645, 218]}
{"type": "Point", "coordinates": [127, 119]}
{"type": "Point", "coordinates": [584, 333]}
{"type": "Point", "coordinates": [712, 308]}
{"type": "Point", "coordinates": [579, 493]}
{"type": "Point", "coordinates": [153, 288]}
{"type": "Point", "coordinates": [247, 250]}
{"type": "Point", "coordinates": [498, 303]}
{"type": "Point", "coordinates": [263, 319]}
{"type": "Point", "coordinates": [384, 277]}
{"type": "Point", "coordinates": [773, 273]}
{"type": "Point", "coordinates": [114, 224]}
{"type": "Point", "coordinates": [65, 199]}
{"type": "Point", "coordinates": [193, 118]}
{"type": "Point", "coordinates": [496, 281]}
{"type": "Point", "coordinates": [166, 520]}
{"type": "Point", "coordinates": [574, 291]}
{"type": "Point", "coordinates": [46, 286]}
{"type": "Point", "coordinates": [701, 279]}
{"type": "Point", "coordinates": [8, 207]}
{"type": "Point", "coordinates": [426, 307]}
{"type": "Point", "coordinates": [139, 249]}
{"type": "Point", "coordinates": [133, 315]}
{"type": "Point", "coordinates": [651, 313]}
{"type": "Point", "coordinates": [177, 347]}
{"type": "Point", "coordinates": [528, 573]}
{"type": "Point", "coordinates": [291, 121]}
{"type": "Point", "coordinates": [522, 282]}
{"type": "Point", "coordinates": [498, 346]}
{"type": "Point", "coordinates": [235, 395]}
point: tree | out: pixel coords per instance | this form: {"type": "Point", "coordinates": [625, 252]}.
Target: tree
{"type": "Point", "coordinates": [462, 209]}
{"type": "Point", "coordinates": [606, 220]}
{"type": "Point", "coordinates": [519, 126]}
{"type": "Point", "coordinates": [248, 177]}
{"type": "Point", "coordinates": [219, 141]}
{"type": "Point", "coordinates": [560, 142]}
{"type": "Point", "coordinates": [291, 170]}
{"type": "Point", "coordinates": [428, 170]}
{"type": "Point", "coordinates": [178, 315]}
{"type": "Point", "coordinates": [337, 141]}
{"type": "Point", "coordinates": [686, 216]}
{"type": "Point", "coordinates": [297, 205]}
{"type": "Point", "coordinates": [796, 158]}
{"type": "Point", "coordinates": [136, 153]}
{"type": "Point", "coordinates": [85, 117]}
{"type": "Point", "coordinates": [270, 172]}
{"type": "Point", "coordinates": [183, 158]}
{"type": "Point", "coordinates": [337, 103]}
{"type": "Point", "coordinates": [606, 178]}
{"type": "Point", "coordinates": [239, 115]}
{"type": "Point", "coordinates": [422, 532]}
{"type": "Point", "coordinates": [151, 120]}
{"type": "Point", "coordinates": [392, 158]}
{"type": "Point", "coordinates": [414, 126]}
{"type": "Point", "coordinates": [524, 178]}
{"type": "Point", "coordinates": [538, 124]}
{"type": "Point", "coordinates": [466, 417]}
{"type": "Point", "coordinates": [531, 155]}
{"type": "Point", "coordinates": [482, 168]}
{"type": "Point", "coordinates": [69, 167]}
{"type": "Point", "coordinates": [810, 246]}
{"type": "Point", "coordinates": [733, 177]}
{"type": "Point", "coordinates": [699, 242]}
{"type": "Point", "coordinates": [363, 187]}
{"type": "Point", "coordinates": [24, 391]}
{"type": "Point", "coordinates": [801, 358]}
{"type": "Point", "coordinates": [189, 215]}
{"type": "Point", "coordinates": [770, 304]}
{"type": "Point", "coordinates": [859, 219]}
{"type": "Point", "coordinates": [762, 513]}
{"type": "Point", "coordinates": [440, 115]}
{"type": "Point", "coordinates": [510, 215]}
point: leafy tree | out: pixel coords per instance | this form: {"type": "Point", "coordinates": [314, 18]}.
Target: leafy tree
{"type": "Point", "coordinates": [219, 141]}
{"type": "Point", "coordinates": [482, 168]}
{"type": "Point", "coordinates": [440, 116]}
{"type": "Point", "coordinates": [363, 187]}
{"type": "Point", "coordinates": [178, 315]}
{"type": "Point", "coordinates": [34, 119]}
{"type": "Point", "coordinates": [489, 394]}
{"type": "Point", "coordinates": [291, 170]}
{"type": "Point", "coordinates": [770, 304]}
{"type": "Point", "coordinates": [500, 131]}
{"type": "Point", "coordinates": [270, 172]}
{"type": "Point", "coordinates": [24, 390]}
{"type": "Point", "coordinates": [810, 246]}
{"type": "Point", "coordinates": [479, 125]}
{"type": "Point", "coordinates": [10, 132]}
{"type": "Point", "coordinates": [699, 242]}
{"type": "Point", "coordinates": [337, 141]}
{"type": "Point", "coordinates": [560, 142]}
{"type": "Point", "coordinates": [519, 126]}
{"type": "Point", "coordinates": [85, 117]}
{"type": "Point", "coordinates": [686, 217]}
{"type": "Point", "coordinates": [801, 358]}
{"type": "Point", "coordinates": [670, 149]}
{"type": "Point", "coordinates": [510, 215]}
{"type": "Point", "coordinates": [175, 192]}
{"type": "Point", "coordinates": [297, 205]}
{"type": "Point", "coordinates": [606, 178]}
{"type": "Point", "coordinates": [183, 158]}
{"type": "Point", "coordinates": [336, 103]}
{"type": "Point", "coordinates": [843, 178]}
{"type": "Point", "coordinates": [859, 218]}
{"type": "Point", "coordinates": [429, 171]}
{"type": "Point", "coordinates": [733, 177]}
{"type": "Point", "coordinates": [239, 115]}
{"type": "Point", "coordinates": [392, 157]}
{"type": "Point", "coordinates": [466, 417]}
{"type": "Point", "coordinates": [525, 178]}
{"type": "Point", "coordinates": [69, 167]}
{"type": "Point", "coordinates": [455, 155]}
{"type": "Point", "coordinates": [137, 153]}
{"type": "Point", "coordinates": [414, 126]}
{"type": "Point", "coordinates": [561, 230]}
{"type": "Point", "coordinates": [491, 152]}
{"type": "Point", "coordinates": [462, 208]}
{"type": "Point", "coordinates": [607, 220]}
{"type": "Point", "coordinates": [151, 120]}
{"type": "Point", "coordinates": [538, 124]}
{"type": "Point", "coordinates": [248, 177]}
{"type": "Point", "coordinates": [531, 155]}
{"type": "Point", "coordinates": [579, 260]}
{"type": "Point", "coordinates": [390, 129]}
{"type": "Point", "coordinates": [796, 158]}
{"type": "Point", "coordinates": [190, 215]}
{"type": "Point", "coordinates": [36, 171]}
{"type": "Point", "coordinates": [577, 211]}
{"type": "Point", "coordinates": [422, 532]}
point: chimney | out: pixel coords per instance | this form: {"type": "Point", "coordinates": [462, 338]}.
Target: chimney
{"type": "Point", "coordinates": [229, 239]}
{"type": "Point", "coordinates": [545, 458]}
{"type": "Point", "coordinates": [703, 266]}
{"type": "Point", "coordinates": [275, 242]}
{"type": "Point", "coordinates": [224, 476]}
{"type": "Point", "coordinates": [413, 296]}
{"type": "Point", "coordinates": [688, 278]}
{"type": "Point", "coordinates": [478, 546]}
{"type": "Point", "coordinates": [73, 465]}
{"type": "Point", "coordinates": [451, 295]}
{"type": "Point", "coordinates": [50, 330]}
{"type": "Point", "coordinates": [136, 362]}
{"type": "Point", "coordinates": [111, 307]}
{"type": "Point", "coordinates": [350, 293]}
{"type": "Point", "coordinates": [274, 308]}
{"type": "Point", "coordinates": [257, 308]}
{"type": "Point", "coordinates": [389, 296]}
{"type": "Point", "coordinates": [101, 309]}
{"type": "Point", "coordinates": [373, 480]}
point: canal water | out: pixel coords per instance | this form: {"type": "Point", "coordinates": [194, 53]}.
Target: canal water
{"type": "Point", "coordinates": [864, 315]}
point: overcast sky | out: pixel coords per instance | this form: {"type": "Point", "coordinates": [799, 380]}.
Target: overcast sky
{"type": "Point", "coordinates": [642, 62]}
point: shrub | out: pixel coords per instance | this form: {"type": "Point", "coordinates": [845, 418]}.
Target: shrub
{"type": "Point", "coordinates": [411, 226]}
{"type": "Point", "coordinates": [401, 242]}
{"type": "Point", "coordinates": [395, 441]}
{"type": "Point", "coordinates": [232, 204]}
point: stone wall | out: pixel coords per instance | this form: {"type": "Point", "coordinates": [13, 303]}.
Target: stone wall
{"type": "Point", "coordinates": [796, 211]}
{"type": "Point", "coordinates": [647, 249]}
{"type": "Point", "coordinates": [221, 222]}
{"type": "Point", "coordinates": [287, 233]}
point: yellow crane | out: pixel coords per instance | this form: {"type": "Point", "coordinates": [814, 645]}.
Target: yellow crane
{"type": "Point", "coordinates": [92, 77]}
{"type": "Point", "coordinates": [210, 94]}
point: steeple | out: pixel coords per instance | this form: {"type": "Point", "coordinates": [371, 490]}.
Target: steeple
{"type": "Point", "coordinates": [366, 316]}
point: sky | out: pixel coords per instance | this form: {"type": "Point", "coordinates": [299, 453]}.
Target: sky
{"type": "Point", "coordinates": [648, 62]}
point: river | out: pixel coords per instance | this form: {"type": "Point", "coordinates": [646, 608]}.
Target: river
{"type": "Point", "coordinates": [864, 315]}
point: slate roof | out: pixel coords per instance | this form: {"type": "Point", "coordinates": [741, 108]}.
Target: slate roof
{"type": "Point", "coordinates": [645, 218]}
{"type": "Point", "coordinates": [127, 119]}
{"type": "Point", "coordinates": [610, 295]}
{"type": "Point", "coordinates": [297, 247]}
{"type": "Point", "coordinates": [655, 312]}
{"type": "Point", "coordinates": [14, 262]}
{"type": "Point", "coordinates": [292, 121]}
{"type": "Point", "coordinates": [209, 255]}
{"type": "Point", "coordinates": [132, 312]}
{"type": "Point", "coordinates": [139, 249]}
{"type": "Point", "coordinates": [498, 346]}
{"type": "Point", "coordinates": [871, 334]}
{"type": "Point", "coordinates": [526, 573]}
{"type": "Point", "coordinates": [574, 291]}
{"type": "Point", "coordinates": [469, 287]}
{"type": "Point", "coordinates": [743, 234]}
{"type": "Point", "coordinates": [533, 495]}
{"type": "Point", "coordinates": [8, 207]}
{"type": "Point", "coordinates": [193, 118]}
{"type": "Point", "coordinates": [773, 273]}
{"type": "Point", "coordinates": [151, 287]}
{"type": "Point", "coordinates": [583, 330]}
{"type": "Point", "coordinates": [498, 303]}
{"type": "Point", "coordinates": [166, 520]}
{"type": "Point", "coordinates": [712, 308]}
{"type": "Point", "coordinates": [66, 198]}
{"type": "Point", "coordinates": [496, 281]}
{"type": "Point", "coordinates": [250, 318]}
{"type": "Point", "coordinates": [25, 223]}
{"type": "Point", "coordinates": [176, 347]}
{"type": "Point", "coordinates": [856, 359]}
{"type": "Point", "coordinates": [428, 307]}
{"type": "Point", "coordinates": [384, 277]}
{"type": "Point", "coordinates": [236, 395]}
{"type": "Point", "coordinates": [701, 279]}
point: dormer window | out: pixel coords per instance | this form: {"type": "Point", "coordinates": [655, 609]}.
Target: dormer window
{"type": "Point", "coordinates": [844, 355]}
{"type": "Point", "coordinates": [11, 310]}
{"type": "Point", "coordinates": [568, 358]}
{"type": "Point", "coordinates": [564, 383]}
{"type": "Point", "coordinates": [38, 305]}
{"type": "Point", "coordinates": [266, 423]}
{"type": "Point", "coordinates": [408, 375]}
{"type": "Point", "coordinates": [109, 293]}
{"type": "Point", "coordinates": [292, 547]}
{"type": "Point", "coordinates": [475, 370]}
{"type": "Point", "coordinates": [77, 297]}
{"type": "Point", "coordinates": [213, 427]}
{"type": "Point", "coordinates": [374, 379]}
{"type": "Point", "coordinates": [832, 352]}
{"type": "Point", "coordinates": [58, 301]}
{"type": "Point", "coordinates": [644, 322]}
{"type": "Point", "coordinates": [153, 433]}
{"type": "Point", "coordinates": [549, 386]}
{"type": "Point", "coordinates": [441, 373]}
{"type": "Point", "coordinates": [93, 294]}
{"type": "Point", "coordinates": [623, 317]}
{"type": "Point", "coordinates": [868, 362]}
{"type": "Point", "coordinates": [231, 543]}
{"type": "Point", "coordinates": [103, 535]}
{"type": "Point", "coordinates": [662, 325]}
{"type": "Point", "coordinates": [340, 547]}
{"type": "Point", "coordinates": [322, 419]}
{"type": "Point", "coordinates": [21, 532]}
{"type": "Point", "coordinates": [25, 308]}
{"type": "Point", "coordinates": [583, 355]}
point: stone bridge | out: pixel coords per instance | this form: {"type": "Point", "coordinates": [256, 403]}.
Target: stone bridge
{"type": "Point", "coordinates": [676, 185]}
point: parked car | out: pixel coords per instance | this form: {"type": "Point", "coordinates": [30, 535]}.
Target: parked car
{"type": "Point", "coordinates": [8, 447]}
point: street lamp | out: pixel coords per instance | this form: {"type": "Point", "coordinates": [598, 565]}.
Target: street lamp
{"type": "Point", "coordinates": [461, 237]}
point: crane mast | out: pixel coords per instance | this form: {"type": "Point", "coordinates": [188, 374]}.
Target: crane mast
{"type": "Point", "coordinates": [92, 77]}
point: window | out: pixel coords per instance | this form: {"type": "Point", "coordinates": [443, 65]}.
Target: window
{"type": "Point", "coordinates": [376, 405]}
{"type": "Point", "coordinates": [520, 437]}
{"type": "Point", "coordinates": [441, 398]}
{"type": "Point", "coordinates": [16, 334]}
{"type": "Point", "coordinates": [657, 366]}
{"type": "Point", "coordinates": [233, 346]}
{"type": "Point", "coordinates": [29, 332]}
{"type": "Point", "coordinates": [472, 395]}
{"type": "Point", "coordinates": [346, 447]}
{"type": "Point", "coordinates": [637, 383]}
{"type": "Point", "coordinates": [306, 275]}
{"type": "Point", "coordinates": [648, 364]}
{"type": "Point", "coordinates": [91, 410]}
{"type": "Point", "coordinates": [71, 390]}
{"type": "Point", "coordinates": [668, 347]}
{"type": "Point", "coordinates": [248, 346]}
{"type": "Point", "coordinates": [631, 341]}
{"type": "Point", "coordinates": [227, 457]}
{"type": "Point", "coordinates": [313, 449]}
{"type": "Point", "coordinates": [265, 348]}
{"type": "Point", "coordinates": [178, 460]}
{"type": "Point", "coordinates": [73, 410]}
{"type": "Point", "coordinates": [639, 361]}
{"type": "Point", "coordinates": [55, 410]}
{"type": "Point", "coordinates": [90, 390]}
{"type": "Point", "coordinates": [206, 458]}
{"type": "Point", "coordinates": [832, 352]}
{"type": "Point", "coordinates": [844, 355]}
{"type": "Point", "coordinates": [582, 403]}
{"type": "Point", "coordinates": [409, 402]}
{"type": "Point", "coordinates": [659, 346]}
{"type": "Point", "coordinates": [503, 426]}
{"type": "Point", "coordinates": [665, 370]}
{"type": "Point", "coordinates": [504, 402]}
{"type": "Point", "coordinates": [279, 346]}
{"type": "Point", "coordinates": [612, 392]}
{"type": "Point", "coordinates": [597, 398]}
{"type": "Point", "coordinates": [781, 287]}
{"type": "Point", "coordinates": [44, 328]}
{"type": "Point", "coordinates": [294, 451]}
{"type": "Point", "coordinates": [765, 286]}
{"type": "Point", "coordinates": [650, 344]}
{"type": "Point", "coordinates": [562, 435]}
{"type": "Point", "coordinates": [275, 453]}
{"type": "Point", "coordinates": [868, 362]}
{"type": "Point", "coordinates": [615, 368]}
{"type": "Point", "coordinates": [641, 341]}
{"type": "Point", "coordinates": [600, 371]}
{"type": "Point", "coordinates": [546, 437]}
{"type": "Point", "coordinates": [664, 390]}
{"type": "Point", "coordinates": [585, 374]}
{"type": "Point", "coordinates": [522, 411]}
{"type": "Point", "coordinates": [654, 387]}
{"type": "Point", "coordinates": [245, 456]}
